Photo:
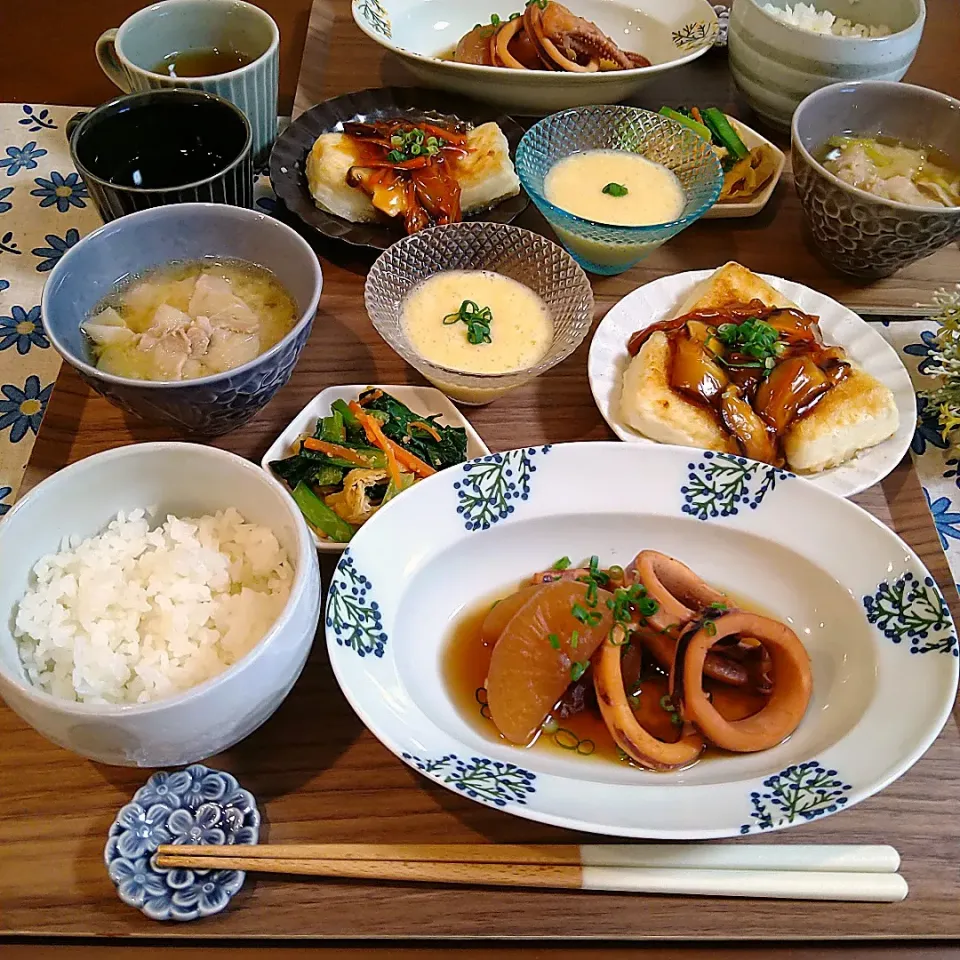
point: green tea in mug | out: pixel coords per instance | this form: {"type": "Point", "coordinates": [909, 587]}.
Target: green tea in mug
{"type": "Point", "coordinates": [205, 62]}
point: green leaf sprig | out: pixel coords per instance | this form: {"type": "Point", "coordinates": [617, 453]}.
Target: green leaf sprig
{"type": "Point", "coordinates": [615, 190]}
{"type": "Point", "coordinates": [944, 363]}
{"type": "Point", "coordinates": [477, 319]}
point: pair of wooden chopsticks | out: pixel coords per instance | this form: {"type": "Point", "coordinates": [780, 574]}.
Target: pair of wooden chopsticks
{"type": "Point", "coordinates": [795, 871]}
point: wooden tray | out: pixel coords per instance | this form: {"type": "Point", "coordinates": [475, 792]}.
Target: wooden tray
{"type": "Point", "coordinates": [319, 776]}
{"type": "Point", "coordinates": [338, 58]}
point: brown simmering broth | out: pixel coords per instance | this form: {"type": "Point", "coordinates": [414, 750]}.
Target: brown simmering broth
{"type": "Point", "coordinates": [202, 63]}
{"type": "Point", "coordinates": [466, 660]}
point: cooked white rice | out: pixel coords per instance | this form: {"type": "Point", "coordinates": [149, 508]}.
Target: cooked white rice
{"type": "Point", "coordinates": [137, 614]}
{"type": "Point", "coordinates": [807, 17]}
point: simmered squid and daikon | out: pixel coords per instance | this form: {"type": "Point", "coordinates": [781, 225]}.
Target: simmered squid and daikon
{"type": "Point", "coordinates": [650, 660]}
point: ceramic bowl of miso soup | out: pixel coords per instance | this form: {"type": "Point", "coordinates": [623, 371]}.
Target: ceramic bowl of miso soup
{"type": "Point", "coordinates": [192, 315]}
{"type": "Point", "coordinates": [876, 165]}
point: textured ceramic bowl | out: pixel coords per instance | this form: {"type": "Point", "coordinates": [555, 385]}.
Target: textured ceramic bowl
{"type": "Point", "coordinates": [599, 247]}
{"type": "Point", "coordinates": [516, 253]}
{"type": "Point", "coordinates": [187, 231]}
{"type": "Point", "coordinates": [855, 231]}
{"type": "Point", "coordinates": [776, 65]}
{"type": "Point", "coordinates": [196, 805]}
{"type": "Point", "coordinates": [669, 33]}
{"type": "Point", "coordinates": [185, 479]}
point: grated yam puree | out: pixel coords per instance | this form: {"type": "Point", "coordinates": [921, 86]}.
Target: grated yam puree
{"type": "Point", "coordinates": [136, 614]}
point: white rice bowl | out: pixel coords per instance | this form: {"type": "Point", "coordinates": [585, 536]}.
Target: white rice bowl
{"type": "Point", "coordinates": [808, 17]}
{"type": "Point", "coordinates": [142, 612]}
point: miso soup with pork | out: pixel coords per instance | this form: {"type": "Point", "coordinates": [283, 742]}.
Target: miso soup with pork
{"type": "Point", "coordinates": [189, 319]}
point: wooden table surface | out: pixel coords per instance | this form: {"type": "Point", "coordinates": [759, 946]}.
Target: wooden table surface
{"type": "Point", "coordinates": [318, 773]}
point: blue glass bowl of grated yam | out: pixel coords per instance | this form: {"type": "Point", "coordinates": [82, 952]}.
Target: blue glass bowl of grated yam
{"type": "Point", "coordinates": [585, 216]}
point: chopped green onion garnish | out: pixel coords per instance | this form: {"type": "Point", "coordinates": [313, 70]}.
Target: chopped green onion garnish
{"type": "Point", "coordinates": [647, 606]}
{"type": "Point", "coordinates": [554, 641]}
{"type": "Point", "coordinates": [710, 628]}
{"type": "Point", "coordinates": [577, 669]}
{"type": "Point", "coordinates": [574, 639]}
{"type": "Point", "coordinates": [562, 563]}
{"type": "Point", "coordinates": [476, 318]}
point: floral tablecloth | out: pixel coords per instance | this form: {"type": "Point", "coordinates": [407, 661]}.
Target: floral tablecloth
{"type": "Point", "coordinates": [44, 210]}
{"type": "Point", "coordinates": [938, 466]}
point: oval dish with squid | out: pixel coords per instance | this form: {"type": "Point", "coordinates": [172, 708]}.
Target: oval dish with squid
{"type": "Point", "coordinates": [650, 657]}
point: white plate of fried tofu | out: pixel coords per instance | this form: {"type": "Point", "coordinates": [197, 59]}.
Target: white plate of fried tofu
{"type": "Point", "coordinates": [851, 439]}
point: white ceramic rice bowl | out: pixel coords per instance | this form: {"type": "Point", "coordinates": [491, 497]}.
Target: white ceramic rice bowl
{"type": "Point", "coordinates": [847, 584]}
{"type": "Point", "coordinates": [668, 33]}
{"type": "Point", "coordinates": [776, 65]}
{"type": "Point", "coordinates": [187, 480]}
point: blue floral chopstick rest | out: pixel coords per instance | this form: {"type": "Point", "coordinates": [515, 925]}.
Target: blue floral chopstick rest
{"type": "Point", "coordinates": [193, 806]}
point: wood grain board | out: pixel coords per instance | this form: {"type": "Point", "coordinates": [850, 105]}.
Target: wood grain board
{"type": "Point", "coordinates": [321, 777]}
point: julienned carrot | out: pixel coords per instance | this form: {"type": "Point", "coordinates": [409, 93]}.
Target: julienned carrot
{"type": "Point", "coordinates": [426, 427]}
{"type": "Point", "coordinates": [376, 436]}
{"type": "Point", "coordinates": [335, 450]}
{"type": "Point", "coordinates": [411, 461]}
{"type": "Point", "coordinates": [371, 427]}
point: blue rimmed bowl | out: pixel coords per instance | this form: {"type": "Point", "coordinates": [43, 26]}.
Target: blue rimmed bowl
{"type": "Point", "coordinates": [181, 232]}
{"type": "Point", "coordinates": [193, 806]}
{"type": "Point", "coordinates": [599, 247]}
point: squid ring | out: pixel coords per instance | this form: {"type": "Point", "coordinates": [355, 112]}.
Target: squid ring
{"type": "Point", "coordinates": [532, 18]}
{"type": "Point", "coordinates": [503, 37]}
{"type": "Point", "coordinates": [666, 580]}
{"type": "Point", "coordinates": [673, 585]}
{"type": "Point", "coordinates": [786, 705]}
{"type": "Point", "coordinates": [626, 731]}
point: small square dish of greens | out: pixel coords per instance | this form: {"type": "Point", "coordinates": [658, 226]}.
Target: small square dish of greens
{"type": "Point", "coordinates": [353, 449]}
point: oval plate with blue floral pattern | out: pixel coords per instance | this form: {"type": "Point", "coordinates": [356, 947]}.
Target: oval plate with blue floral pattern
{"type": "Point", "coordinates": [841, 326]}
{"type": "Point", "coordinates": [881, 640]}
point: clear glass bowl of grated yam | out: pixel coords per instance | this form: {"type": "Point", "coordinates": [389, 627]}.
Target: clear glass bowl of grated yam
{"type": "Point", "coordinates": [158, 603]}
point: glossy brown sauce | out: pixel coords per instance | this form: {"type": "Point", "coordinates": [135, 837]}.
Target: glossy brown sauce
{"type": "Point", "coordinates": [427, 185]}
{"type": "Point", "coordinates": [466, 660]}
{"type": "Point", "coordinates": [753, 403]}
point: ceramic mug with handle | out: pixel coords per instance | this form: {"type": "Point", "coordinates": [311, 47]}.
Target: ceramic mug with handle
{"type": "Point", "coordinates": [176, 43]}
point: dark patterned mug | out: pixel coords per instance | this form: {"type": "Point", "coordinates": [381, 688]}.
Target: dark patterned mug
{"type": "Point", "coordinates": [163, 146]}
